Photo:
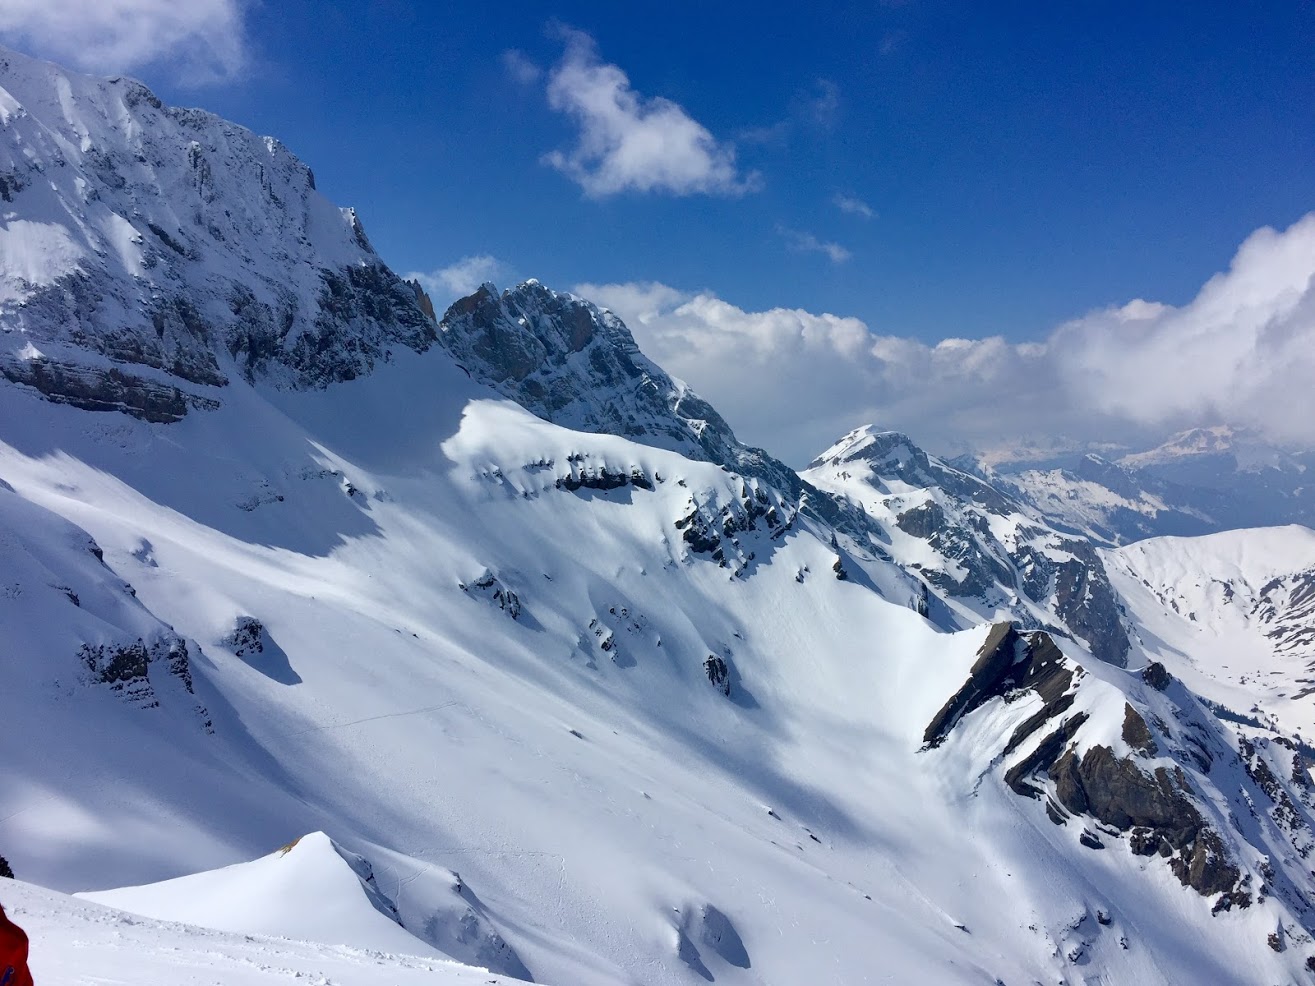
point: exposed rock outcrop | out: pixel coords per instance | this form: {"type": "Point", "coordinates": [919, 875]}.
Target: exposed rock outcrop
{"type": "Point", "coordinates": [1008, 662]}
{"type": "Point", "coordinates": [1156, 807]}
{"type": "Point", "coordinates": [491, 588]}
{"type": "Point", "coordinates": [96, 389]}
{"type": "Point", "coordinates": [1137, 734]}
{"type": "Point", "coordinates": [1148, 796]}
{"type": "Point", "coordinates": [126, 667]}
{"type": "Point", "coordinates": [246, 637]}
{"type": "Point", "coordinates": [719, 673]}
{"type": "Point", "coordinates": [1157, 676]}
{"type": "Point", "coordinates": [923, 521]}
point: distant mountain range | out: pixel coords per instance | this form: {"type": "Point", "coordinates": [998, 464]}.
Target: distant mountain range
{"type": "Point", "coordinates": [1198, 482]}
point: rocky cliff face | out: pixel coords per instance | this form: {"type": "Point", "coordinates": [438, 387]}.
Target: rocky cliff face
{"type": "Point", "coordinates": [149, 253]}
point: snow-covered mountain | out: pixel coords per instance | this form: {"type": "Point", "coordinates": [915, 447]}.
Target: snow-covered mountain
{"type": "Point", "coordinates": [575, 364]}
{"type": "Point", "coordinates": [986, 554]}
{"type": "Point", "coordinates": [1198, 482]}
{"type": "Point", "coordinates": [592, 700]}
{"type": "Point", "coordinates": [149, 255]}
{"type": "Point", "coordinates": [1232, 614]}
{"type": "Point", "coordinates": [1200, 455]}
{"type": "Point", "coordinates": [456, 650]}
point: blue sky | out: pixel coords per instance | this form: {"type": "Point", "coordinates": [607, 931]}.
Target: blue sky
{"type": "Point", "coordinates": [931, 169]}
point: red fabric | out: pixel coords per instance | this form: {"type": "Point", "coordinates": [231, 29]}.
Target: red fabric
{"type": "Point", "coordinates": [13, 952]}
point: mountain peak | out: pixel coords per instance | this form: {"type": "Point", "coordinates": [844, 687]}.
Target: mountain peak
{"type": "Point", "coordinates": [150, 253]}
{"type": "Point", "coordinates": [530, 331]}
{"type": "Point", "coordinates": [576, 364]}
{"type": "Point", "coordinates": [1248, 451]}
{"type": "Point", "coordinates": [870, 443]}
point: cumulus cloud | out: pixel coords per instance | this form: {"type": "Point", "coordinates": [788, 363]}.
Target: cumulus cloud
{"type": "Point", "coordinates": [459, 279]}
{"type": "Point", "coordinates": [853, 205]}
{"type": "Point", "coordinates": [808, 243]}
{"type": "Point", "coordinates": [205, 39]}
{"type": "Point", "coordinates": [629, 142]}
{"type": "Point", "coordinates": [1241, 352]}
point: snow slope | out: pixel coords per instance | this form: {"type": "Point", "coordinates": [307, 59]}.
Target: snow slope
{"type": "Point", "coordinates": [76, 941]}
{"type": "Point", "coordinates": [1232, 615]}
{"type": "Point", "coordinates": [606, 805]}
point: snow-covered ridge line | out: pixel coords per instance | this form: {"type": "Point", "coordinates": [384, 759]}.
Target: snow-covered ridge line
{"type": "Point", "coordinates": [77, 941]}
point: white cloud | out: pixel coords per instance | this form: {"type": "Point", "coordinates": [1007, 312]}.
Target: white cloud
{"type": "Point", "coordinates": [459, 279]}
{"type": "Point", "coordinates": [808, 243]}
{"type": "Point", "coordinates": [628, 142]}
{"type": "Point", "coordinates": [205, 39]}
{"type": "Point", "coordinates": [853, 205]}
{"type": "Point", "coordinates": [1241, 352]}
{"type": "Point", "coordinates": [520, 68]}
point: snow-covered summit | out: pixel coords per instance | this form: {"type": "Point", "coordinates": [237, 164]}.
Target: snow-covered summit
{"type": "Point", "coordinates": [986, 554]}
{"type": "Point", "coordinates": [864, 442]}
{"type": "Point", "coordinates": [149, 253]}
{"type": "Point", "coordinates": [1246, 449]}
{"type": "Point", "coordinates": [893, 457]}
